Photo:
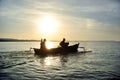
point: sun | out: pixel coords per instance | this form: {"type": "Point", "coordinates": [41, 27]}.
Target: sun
{"type": "Point", "coordinates": [47, 24]}
{"type": "Point", "coordinates": [49, 45]}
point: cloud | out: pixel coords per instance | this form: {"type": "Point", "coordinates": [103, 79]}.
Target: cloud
{"type": "Point", "coordinates": [85, 16]}
{"type": "Point", "coordinates": [104, 11]}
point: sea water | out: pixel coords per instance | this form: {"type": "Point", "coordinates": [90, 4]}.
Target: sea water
{"type": "Point", "coordinates": [18, 62]}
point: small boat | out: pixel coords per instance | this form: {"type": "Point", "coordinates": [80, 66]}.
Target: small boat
{"type": "Point", "coordinates": [58, 50]}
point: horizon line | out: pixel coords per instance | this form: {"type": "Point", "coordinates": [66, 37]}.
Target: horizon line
{"type": "Point", "coordinates": [36, 40]}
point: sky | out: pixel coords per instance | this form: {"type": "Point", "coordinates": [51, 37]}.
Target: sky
{"type": "Point", "coordinates": [87, 20]}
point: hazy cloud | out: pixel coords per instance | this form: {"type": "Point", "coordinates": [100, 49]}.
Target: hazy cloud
{"type": "Point", "coordinates": [89, 15]}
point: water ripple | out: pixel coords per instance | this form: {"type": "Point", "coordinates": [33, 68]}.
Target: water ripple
{"type": "Point", "coordinates": [101, 64]}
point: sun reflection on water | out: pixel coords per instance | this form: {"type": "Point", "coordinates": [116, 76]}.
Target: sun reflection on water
{"type": "Point", "coordinates": [48, 61]}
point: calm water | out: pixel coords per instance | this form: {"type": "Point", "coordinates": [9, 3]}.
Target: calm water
{"type": "Point", "coordinates": [17, 62]}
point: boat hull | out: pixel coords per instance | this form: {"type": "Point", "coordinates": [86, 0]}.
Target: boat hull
{"type": "Point", "coordinates": [56, 51]}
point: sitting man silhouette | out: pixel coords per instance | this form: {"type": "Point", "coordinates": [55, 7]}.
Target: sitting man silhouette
{"type": "Point", "coordinates": [63, 43]}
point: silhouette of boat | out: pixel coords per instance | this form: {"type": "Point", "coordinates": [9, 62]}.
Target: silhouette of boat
{"type": "Point", "coordinates": [58, 50]}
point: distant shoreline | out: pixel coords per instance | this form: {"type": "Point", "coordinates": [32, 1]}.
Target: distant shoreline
{"type": "Point", "coordinates": [19, 40]}
{"type": "Point", "coordinates": [22, 40]}
{"type": "Point", "coordinates": [16, 40]}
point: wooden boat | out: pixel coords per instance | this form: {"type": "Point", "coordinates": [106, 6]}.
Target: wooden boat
{"type": "Point", "coordinates": [58, 50]}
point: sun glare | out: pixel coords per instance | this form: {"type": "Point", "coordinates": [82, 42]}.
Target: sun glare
{"type": "Point", "coordinates": [49, 45]}
{"type": "Point", "coordinates": [47, 24]}
{"type": "Point", "coordinates": [48, 60]}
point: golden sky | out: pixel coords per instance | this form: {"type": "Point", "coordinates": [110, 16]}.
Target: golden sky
{"type": "Point", "coordinates": [55, 19]}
